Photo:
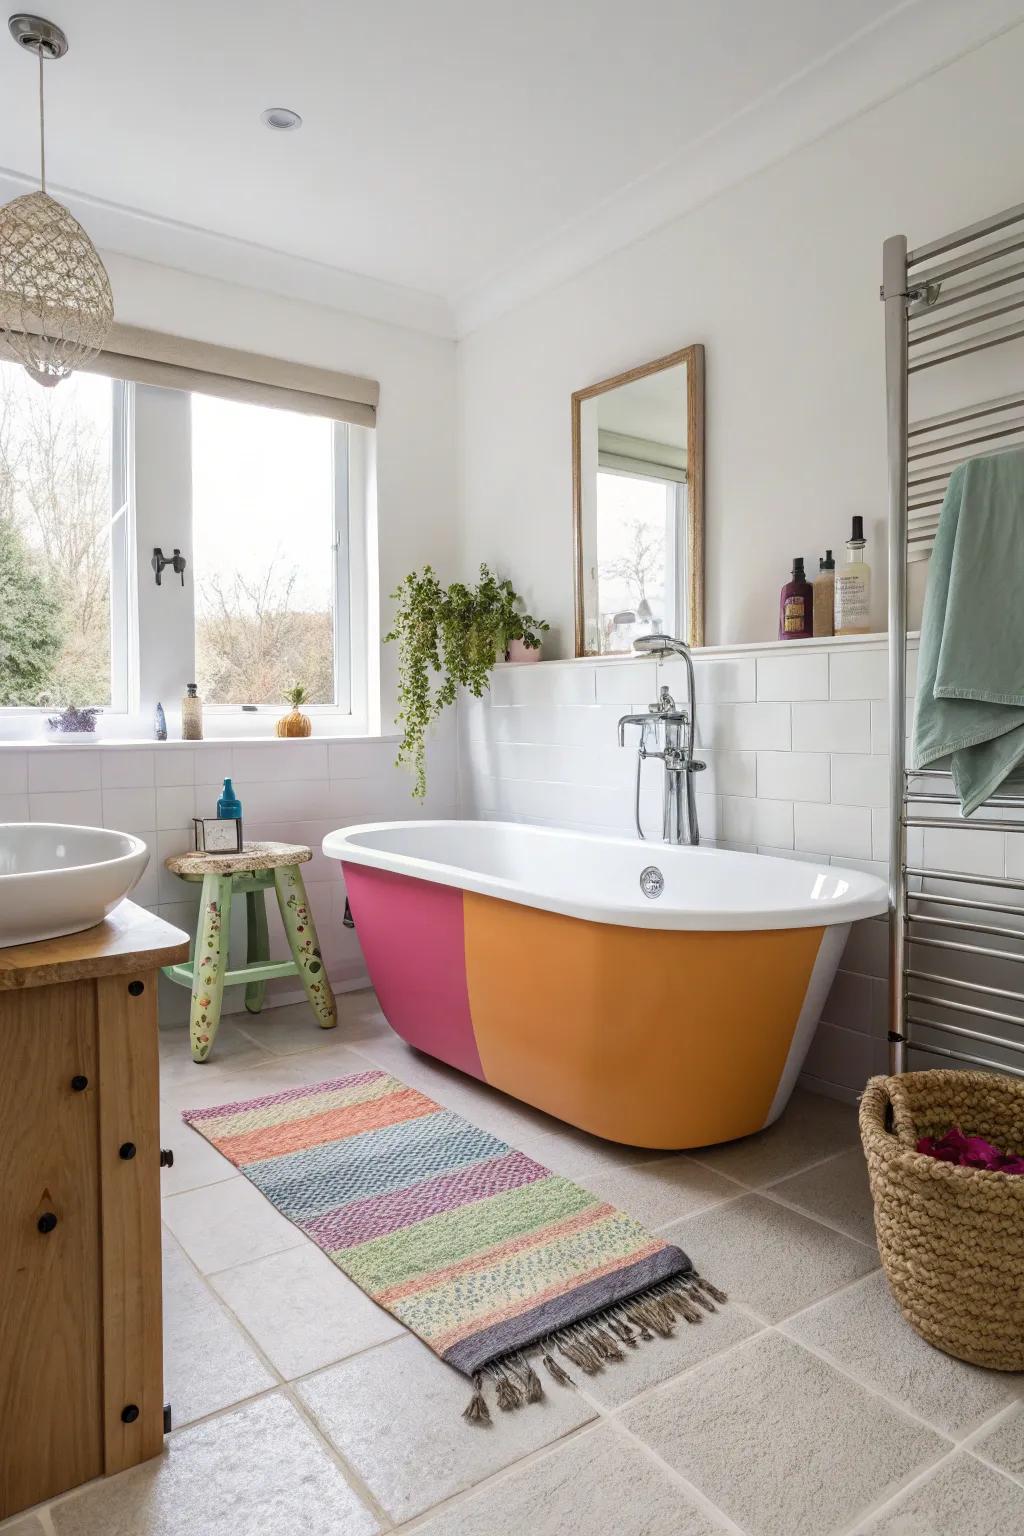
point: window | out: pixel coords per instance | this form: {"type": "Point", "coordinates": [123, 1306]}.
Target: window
{"type": "Point", "coordinates": [639, 577]}
{"type": "Point", "coordinates": [64, 536]}
{"type": "Point", "coordinates": [96, 474]}
{"type": "Point", "coordinates": [265, 552]}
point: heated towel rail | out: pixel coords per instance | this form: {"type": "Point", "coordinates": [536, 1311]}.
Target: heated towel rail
{"type": "Point", "coordinates": [937, 1005]}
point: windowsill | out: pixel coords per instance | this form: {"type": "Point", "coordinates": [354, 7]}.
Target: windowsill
{"type": "Point", "coordinates": [107, 743]}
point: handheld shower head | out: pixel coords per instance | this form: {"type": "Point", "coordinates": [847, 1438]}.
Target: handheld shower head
{"type": "Point", "coordinates": [660, 645]}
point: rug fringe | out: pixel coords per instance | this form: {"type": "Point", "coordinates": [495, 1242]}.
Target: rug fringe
{"type": "Point", "coordinates": [594, 1341]}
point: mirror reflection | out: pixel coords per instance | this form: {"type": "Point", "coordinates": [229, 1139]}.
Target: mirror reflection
{"type": "Point", "coordinates": [638, 491]}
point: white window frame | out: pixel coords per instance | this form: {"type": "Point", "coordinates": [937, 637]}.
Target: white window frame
{"type": "Point", "coordinates": [153, 628]}
{"type": "Point", "coordinates": [677, 575]}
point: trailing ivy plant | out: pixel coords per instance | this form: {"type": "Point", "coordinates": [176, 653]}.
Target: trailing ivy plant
{"type": "Point", "coordinates": [449, 638]}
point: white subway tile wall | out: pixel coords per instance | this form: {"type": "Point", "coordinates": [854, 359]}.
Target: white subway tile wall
{"type": "Point", "coordinates": [291, 791]}
{"type": "Point", "coordinates": [796, 745]}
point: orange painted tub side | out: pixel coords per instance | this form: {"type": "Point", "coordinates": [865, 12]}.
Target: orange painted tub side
{"type": "Point", "coordinates": [653, 1038]}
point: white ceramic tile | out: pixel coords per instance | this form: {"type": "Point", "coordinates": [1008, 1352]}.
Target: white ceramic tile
{"type": "Point", "coordinates": [83, 807]}
{"type": "Point", "coordinates": [850, 1003]}
{"type": "Point", "coordinates": [170, 887]}
{"type": "Point", "coordinates": [793, 776]}
{"type": "Point", "coordinates": [867, 948]}
{"type": "Point", "coordinates": [395, 1414]}
{"type": "Point", "coordinates": [14, 807]}
{"type": "Point", "coordinates": [126, 768]}
{"type": "Point", "coordinates": [751, 822]}
{"type": "Point", "coordinates": [857, 673]}
{"type": "Point", "coordinates": [258, 1469]}
{"type": "Point", "coordinates": [833, 829]}
{"type": "Point", "coordinates": [57, 767]}
{"type": "Point", "coordinates": [360, 759]}
{"type": "Point", "coordinates": [13, 772]}
{"type": "Point", "coordinates": [626, 682]}
{"type": "Point", "coordinates": [728, 773]}
{"type": "Point", "coordinates": [130, 810]}
{"type": "Point", "coordinates": [832, 727]}
{"type": "Point", "coordinates": [574, 683]}
{"type": "Point", "coordinates": [302, 1311]}
{"type": "Point", "coordinates": [793, 677]}
{"type": "Point", "coordinates": [173, 764]}
{"type": "Point", "coordinates": [781, 1442]}
{"type": "Point", "coordinates": [745, 727]}
{"type": "Point", "coordinates": [860, 780]}
{"type": "Point", "coordinates": [273, 761]}
{"type": "Point", "coordinates": [175, 807]}
{"type": "Point", "coordinates": [842, 1057]}
{"type": "Point", "coordinates": [731, 680]}
{"type": "Point", "coordinates": [975, 853]}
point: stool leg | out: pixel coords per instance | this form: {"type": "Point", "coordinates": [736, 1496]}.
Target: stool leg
{"type": "Point", "coordinates": [210, 963]}
{"type": "Point", "coordinates": [257, 945]}
{"type": "Point", "coordinates": [304, 944]}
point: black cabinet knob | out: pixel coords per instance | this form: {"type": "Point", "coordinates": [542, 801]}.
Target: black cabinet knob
{"type": "Point", "coordinates": [136, 988]}
{"type": "Point", "coordinates": [166, 1157]}
{"type": "Point", "coordinates": [46, 1222]}
{"type": "Point", "coordinates": [129, 1413]}
{"type": "Point", "coordinates": [126, 1150]}
{"type": "Point", "coordinates": [79, 1083]}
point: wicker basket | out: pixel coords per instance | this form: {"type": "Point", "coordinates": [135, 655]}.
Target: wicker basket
{"type": "Point", "coordinates": [951, 1238]}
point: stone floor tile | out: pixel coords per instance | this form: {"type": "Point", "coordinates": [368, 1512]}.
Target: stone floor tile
{"type": "Point", "coordinates": [595, 1485]}
{"type": "Point", "coordinates": [662, 1191]}
{"type": "Point", "coordinates": [771, 1258]}
{"type": "Point", "coordinates": [302, 1311]}
{"type": "Point", "coordinates": [962, 1498]}
{"type": "Point", "coordinates": [259, 1469]}
{"type": "Point", "coordinates": [781, 1442]}
{"type": "Point", "coordinates": [196, 1163]}
{"type": "Point", "coordinates": [659, 1360]}
{"type": "Point", "coordinates": [395, 1414]}
{"type": "Point", "coordinates": [837, 1191]}
{"type": "Point", "coordinates": [208, 1363]}
{"type": "Point", "coordinates": [227, 1224]}
{"type": "Point", "coordinates": [863, 1330]}
{"type": "Point", "coordinates": [1004, 1444]}
{"type": "Point", "coordinates": [810, 1128]}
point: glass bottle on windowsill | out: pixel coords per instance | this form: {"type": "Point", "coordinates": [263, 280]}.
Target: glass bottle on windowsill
{"type": "Point", "coordinates": [191, 715]}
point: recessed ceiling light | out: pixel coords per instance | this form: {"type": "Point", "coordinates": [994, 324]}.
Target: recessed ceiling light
{"type": "Point", "coordinates": [282, 118]}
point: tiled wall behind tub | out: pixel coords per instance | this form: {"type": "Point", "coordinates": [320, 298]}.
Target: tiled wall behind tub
{"type": "Point", "coordinates": [795, 738]}
{"type": "Point", "coordinates": [291, 791]}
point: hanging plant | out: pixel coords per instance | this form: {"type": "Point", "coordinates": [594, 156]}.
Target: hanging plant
{"type": "Point", "coordinates": [449, 638]}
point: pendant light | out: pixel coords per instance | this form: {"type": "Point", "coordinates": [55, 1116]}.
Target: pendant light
{"type": "Point", "coordinates": [56, 306]}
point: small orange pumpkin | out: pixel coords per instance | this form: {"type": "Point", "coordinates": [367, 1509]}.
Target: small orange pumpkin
{"type": "Point", "coordinates": [295, 723]}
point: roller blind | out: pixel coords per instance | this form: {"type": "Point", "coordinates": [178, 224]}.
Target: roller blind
{"type": "Point", "coordinates": [641, 456]}
{"type": "Point", "coordinates": [174, 362]}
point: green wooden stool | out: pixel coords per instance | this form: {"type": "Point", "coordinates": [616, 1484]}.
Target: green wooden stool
{"type": "Point", "coordinates": [254, 871]}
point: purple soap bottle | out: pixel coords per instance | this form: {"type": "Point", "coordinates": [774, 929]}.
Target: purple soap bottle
{"type": "Point", "coordinates": [796, 605]}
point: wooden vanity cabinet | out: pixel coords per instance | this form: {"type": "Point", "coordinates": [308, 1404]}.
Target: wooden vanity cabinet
{"type": "Point", "coordinates": [81, 1373]}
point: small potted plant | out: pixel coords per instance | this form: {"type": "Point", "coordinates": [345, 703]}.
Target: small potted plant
{"type": "Point", "coordinates": [295, 723]}
{"type": "Point", "coordinates": [73, 724]}
{"type": "Point", "coordinates": [456, 633]}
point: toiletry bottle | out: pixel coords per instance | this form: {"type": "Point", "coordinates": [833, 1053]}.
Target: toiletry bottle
{"type": "Point", "coordinates": [824, 595]}
{"type": "Point", "coordinates": [160, 722]}
{"type": "Point", "coordinates": [229, 807]}
{"type": "Point", "coordinates": [853, 587]}
{"type": "Point", "coordinates": [191, 715]}
{"type": "Point", "coordinates": [795, 604]}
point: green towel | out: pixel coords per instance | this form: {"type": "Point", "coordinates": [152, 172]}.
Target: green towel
{"type": "Point", "coordinates": [970, 686]}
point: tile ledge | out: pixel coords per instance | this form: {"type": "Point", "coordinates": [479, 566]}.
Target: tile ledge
{"type": "Point", "coordinates": [105, 743]}
{"type": "Point", "coordinates": [873, 642]}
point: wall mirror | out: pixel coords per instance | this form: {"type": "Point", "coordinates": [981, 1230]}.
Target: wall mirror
{"type": "Point", "coordinates": [638, 504]}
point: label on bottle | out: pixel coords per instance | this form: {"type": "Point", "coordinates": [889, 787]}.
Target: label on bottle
{"type": "Point", "coordinates": [794, 615]}
{"type": "Point", "coordinates": [853, 607]}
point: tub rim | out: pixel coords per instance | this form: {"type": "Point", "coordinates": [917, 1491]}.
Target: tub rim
{"type": "Point", "coordinates": [867, 896]}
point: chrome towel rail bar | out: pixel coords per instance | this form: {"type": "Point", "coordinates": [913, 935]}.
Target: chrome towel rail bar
{"type": "Point", "coordinates": [977, 231]}
{"type": "Point", "coordinates": [973, 1061]}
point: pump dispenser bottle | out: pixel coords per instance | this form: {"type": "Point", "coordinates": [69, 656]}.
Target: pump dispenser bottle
{"type": "Point", "coordinates": [853, 587]}
{"type": "Point", "coordinates": [795, 605]}
{"type": "Point", "coordinates": [824, 596]}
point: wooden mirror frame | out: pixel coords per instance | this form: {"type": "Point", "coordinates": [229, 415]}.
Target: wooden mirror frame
{"type": "Point", "coordinates": [693, 357]}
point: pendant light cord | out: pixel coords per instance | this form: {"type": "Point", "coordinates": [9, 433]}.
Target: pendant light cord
{"type": "Point", "coordinates": [42, 126]}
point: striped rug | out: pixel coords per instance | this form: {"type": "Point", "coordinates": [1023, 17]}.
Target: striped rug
{"type": "Point", "coordinates": [480, 1251]}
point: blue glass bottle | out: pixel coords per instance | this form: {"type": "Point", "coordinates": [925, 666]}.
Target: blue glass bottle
{"type": "Point", "coordinates": [229, 807]}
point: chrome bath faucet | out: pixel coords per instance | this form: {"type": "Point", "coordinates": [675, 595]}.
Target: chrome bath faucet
{"type": "Point", "coordinates": [668, 732]}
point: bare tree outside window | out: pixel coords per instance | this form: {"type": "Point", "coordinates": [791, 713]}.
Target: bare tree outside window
{"type": "Point", "coordinates": [55, 512]}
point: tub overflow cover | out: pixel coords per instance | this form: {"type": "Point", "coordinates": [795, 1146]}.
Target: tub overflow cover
{"type": "Point", "coordinates": [652, 881]}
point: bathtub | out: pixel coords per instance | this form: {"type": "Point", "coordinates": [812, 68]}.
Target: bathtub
{"type": "Point", "coordinates": [655, 995]}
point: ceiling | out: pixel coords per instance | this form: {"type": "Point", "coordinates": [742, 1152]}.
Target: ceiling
{"type": "Point", "coordinates": [448, 145]}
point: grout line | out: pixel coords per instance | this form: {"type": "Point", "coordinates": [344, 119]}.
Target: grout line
{"type": "Point", "coordinates": [693, 1493]}
{"type": "Point", "coordinates": [823, 1221]}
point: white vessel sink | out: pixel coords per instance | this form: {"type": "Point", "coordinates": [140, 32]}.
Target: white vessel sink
{"type": "Point", "coordinates": [56, 879]}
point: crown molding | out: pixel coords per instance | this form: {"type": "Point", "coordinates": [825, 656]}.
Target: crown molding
{"type": "Point", "coordinates": [168, 243]}
{"type": "Point", "coordinates": [916, 39]}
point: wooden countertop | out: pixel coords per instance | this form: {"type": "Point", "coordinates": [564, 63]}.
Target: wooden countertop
{"type": "Point", "coordinates": [130, 939]}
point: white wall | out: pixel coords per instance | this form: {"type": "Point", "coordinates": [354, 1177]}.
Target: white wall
{"type": "Point", "coordinates": [415, 432]}
{"type": "Point", "coordinates": [779, 279]}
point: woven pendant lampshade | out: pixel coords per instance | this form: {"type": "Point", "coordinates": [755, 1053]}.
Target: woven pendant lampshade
{"type": "Point", "coordinates": [56, 306]}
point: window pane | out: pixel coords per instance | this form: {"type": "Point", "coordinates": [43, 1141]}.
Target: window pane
{"type": "Point", "coordinates": [263, 533]}
{"type": "Point", "coordinates": [55, 539]}
{"type": "Point", "coordinates": [632, 535]}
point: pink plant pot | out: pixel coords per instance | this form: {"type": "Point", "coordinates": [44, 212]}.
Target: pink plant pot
{"type": "Point", "coordinates": [519, 652]}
